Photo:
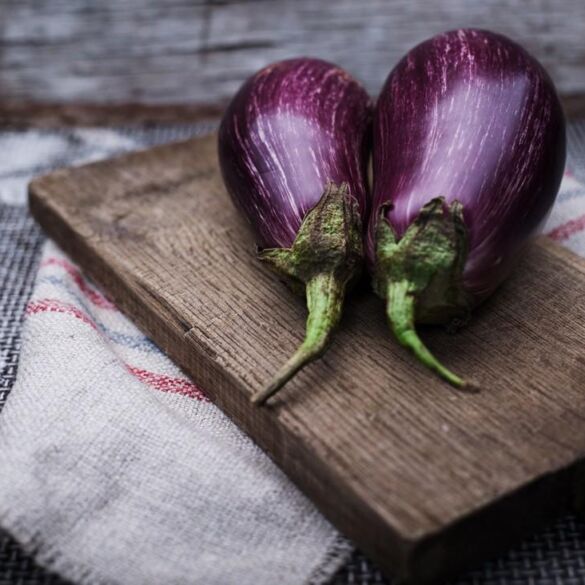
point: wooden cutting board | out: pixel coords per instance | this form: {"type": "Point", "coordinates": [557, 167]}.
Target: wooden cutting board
{"type": "Point", "coordinates": [426, 479]}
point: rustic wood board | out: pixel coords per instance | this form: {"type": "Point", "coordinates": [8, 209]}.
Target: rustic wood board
{"type": "Point", "coordinates": [426, 479]}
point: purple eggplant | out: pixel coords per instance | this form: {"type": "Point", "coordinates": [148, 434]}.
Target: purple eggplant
{"type": "Point", "coordinates": [469, 151]}
{"type": "Point", "coordinates": [293, 148]}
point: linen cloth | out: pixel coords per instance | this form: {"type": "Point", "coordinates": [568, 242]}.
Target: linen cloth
{"type": "Point", "coordinates": [74, 320]}
{"type": "Point", "coordinates": [115, 468]}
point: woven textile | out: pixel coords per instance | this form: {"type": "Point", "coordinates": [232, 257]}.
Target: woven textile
{"type": "Point", "coordinates": [20, 241]}
{"type": "Point", "coordinates": [555, 555]}
{"type": "Point", "coordinates": [127, 473]}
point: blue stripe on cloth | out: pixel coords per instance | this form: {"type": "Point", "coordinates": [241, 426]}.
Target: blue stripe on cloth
{"type": "Point", "coordinates": [140, 342]}
{"type": "Point", "coordinates": [573, 193]}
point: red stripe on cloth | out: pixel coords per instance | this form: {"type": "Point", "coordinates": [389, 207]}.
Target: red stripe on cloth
{"type": "Point", "coordinates": [54, 306]}
{"type": "Point", "coordinates": [566, 230]}
{"type": "Point", "coordinates": [159, 382]}
{"type": "Point", "coordinates": [95, 297]}
{"type": "Point", "coordinates": [168, 384]}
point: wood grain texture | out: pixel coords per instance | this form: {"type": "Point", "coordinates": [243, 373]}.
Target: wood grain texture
{"type": "Point", "coordinates": [175, 51]}
{"type": "Point", "coordinates": [427, 480]}
{"type": "Point", "coordinates": [45, 115]}
{"type": "Point", "coordinates": [23, 115]}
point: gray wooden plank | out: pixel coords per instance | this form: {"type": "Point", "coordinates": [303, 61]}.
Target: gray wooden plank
{"type": "Point", "coordinates": [161, 51]}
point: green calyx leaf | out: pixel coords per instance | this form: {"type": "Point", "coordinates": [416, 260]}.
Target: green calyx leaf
{"type": "Point", "coordinates": [430, 257]}
{"type": "Point", "coordinates": [420, 276]}
{"type": "Point", "coordinates": [328, 241]}
{"type": "Point", "coordinates": [325, 258]}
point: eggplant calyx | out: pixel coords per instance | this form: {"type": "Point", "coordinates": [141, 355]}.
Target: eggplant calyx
{"type": "Point", "coordinates": [420, 276]}
{"type": "Point", "coordinates": [325, 258]}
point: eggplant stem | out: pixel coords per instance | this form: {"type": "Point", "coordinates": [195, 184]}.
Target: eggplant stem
{"type": "Point", "coordinates": [325, 293]}
{"type": "Point", "coordinates": [400, 311]}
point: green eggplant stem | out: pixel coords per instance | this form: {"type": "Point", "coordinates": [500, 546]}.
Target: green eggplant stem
{"type": "Point", "coordinates": [400, 310]}
{"type": "Point", "coordinates": [325, 258]}
{"type": "Point", "coordinates": [325, 293]}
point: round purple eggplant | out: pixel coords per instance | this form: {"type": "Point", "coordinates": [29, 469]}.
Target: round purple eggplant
{"type": "Point", "coordinates": [469, 151]}
{"type": "Point", "coordinates": [293, 149]}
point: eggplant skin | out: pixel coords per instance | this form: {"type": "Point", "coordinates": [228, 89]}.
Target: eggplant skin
{"type": "Point", "coordinates": [470, 116]}
{"type": "Point", "coordinates": [293, 148]}
{"type": "Point", "coordinates": [293, 127]}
